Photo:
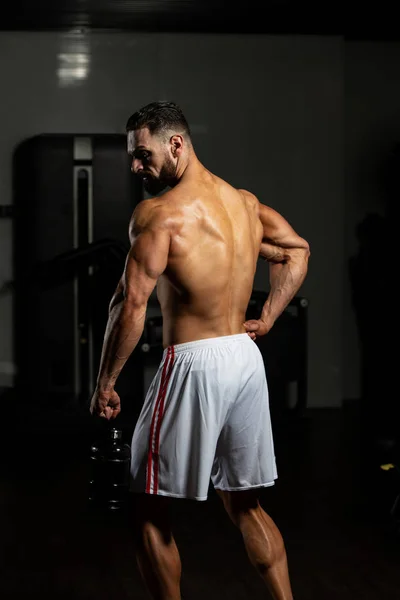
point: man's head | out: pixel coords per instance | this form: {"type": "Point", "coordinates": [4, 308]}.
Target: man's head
{"type": "Point", "coordinates": [158, 138]}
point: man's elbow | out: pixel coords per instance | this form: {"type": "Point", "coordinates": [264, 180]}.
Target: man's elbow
{"type": "Point", "coordinates": [303, 248]}
{"type": "Point", "coordinates": [300, 251]}
{"type": "Point", "coordinates": [299, 256]}
{"type": "Point", "coordinates": [306, 253]}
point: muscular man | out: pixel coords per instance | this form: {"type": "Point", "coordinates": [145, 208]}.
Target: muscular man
{"type": "Point", "coordinates": [206, 413]}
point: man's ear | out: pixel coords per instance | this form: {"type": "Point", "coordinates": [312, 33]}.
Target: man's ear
{"type": "Point", "coordinates": [176, 144]}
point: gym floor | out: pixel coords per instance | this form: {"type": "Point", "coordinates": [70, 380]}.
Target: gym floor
{"type": "Point", "coordinates": [331, 503]}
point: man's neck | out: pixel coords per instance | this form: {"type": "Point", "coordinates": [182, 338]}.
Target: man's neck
{"type": "Point", "coordinates": [190, 167]}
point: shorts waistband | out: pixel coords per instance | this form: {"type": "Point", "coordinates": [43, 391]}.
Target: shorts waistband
{"type": "Point", "coordinates": [216, 342]}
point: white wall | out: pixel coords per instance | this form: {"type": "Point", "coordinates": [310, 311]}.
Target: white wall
{"type": "Point", "coordinates": [267, 114]}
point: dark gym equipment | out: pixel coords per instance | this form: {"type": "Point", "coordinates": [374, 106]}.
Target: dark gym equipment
{"type": "Point", "coordinates": [73, 198]}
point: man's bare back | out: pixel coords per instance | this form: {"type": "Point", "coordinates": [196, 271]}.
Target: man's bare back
{"type": "Point", "coordinates": [216, 235]}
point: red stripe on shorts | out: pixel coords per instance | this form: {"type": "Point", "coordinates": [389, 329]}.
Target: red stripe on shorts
{"type": "Point", "coordinates": [152, 460]}
{"type": "Point", "coordinates": [156, 465]}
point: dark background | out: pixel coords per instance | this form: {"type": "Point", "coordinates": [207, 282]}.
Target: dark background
{"type": "Point", "coordinates": [334, 503]}
{"type": "Point", "coordinates": [354, 20]}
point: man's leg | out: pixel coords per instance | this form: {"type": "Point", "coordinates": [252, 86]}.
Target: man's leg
{"type": "Point", "coordinates": [157, 555]}
{"type": "Point", "coordinates": [262, 539]}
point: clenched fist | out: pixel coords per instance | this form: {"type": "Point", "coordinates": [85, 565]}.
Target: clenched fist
{"type": "Point", "coordinates": [105, 404]}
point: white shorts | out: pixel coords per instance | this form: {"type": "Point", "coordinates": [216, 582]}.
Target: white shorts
{"type": "Point", "coordinates": [206, 414]}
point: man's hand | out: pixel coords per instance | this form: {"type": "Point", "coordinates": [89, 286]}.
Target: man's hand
{"type": "Point", "coordinates": [105, 404]}
{"type": "Point", "coordinates": [256, 328]}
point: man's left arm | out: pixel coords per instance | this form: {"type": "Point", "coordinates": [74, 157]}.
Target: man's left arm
{"type": "Point", "coordinates": [146, 261]}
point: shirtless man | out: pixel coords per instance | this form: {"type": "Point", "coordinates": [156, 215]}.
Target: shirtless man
{"type": "Point", "coordinates": [206, 413]}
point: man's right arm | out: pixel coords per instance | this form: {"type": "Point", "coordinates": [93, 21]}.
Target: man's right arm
{"type": "Point", "coordinates": [287, 254]}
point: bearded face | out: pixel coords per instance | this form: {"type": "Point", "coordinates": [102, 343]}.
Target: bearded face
{"type": "Point", "coordinates": [152, 160]}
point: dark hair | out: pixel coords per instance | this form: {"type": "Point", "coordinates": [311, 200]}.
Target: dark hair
{"type": "Point", "coordinates": [159, 117]}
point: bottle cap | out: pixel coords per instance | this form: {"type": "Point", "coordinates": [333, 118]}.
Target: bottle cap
{"type": "Point", "coordinates": [116, 434]}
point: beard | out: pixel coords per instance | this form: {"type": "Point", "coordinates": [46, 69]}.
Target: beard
{"type": "Point", "coordinates": [155, 185]}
